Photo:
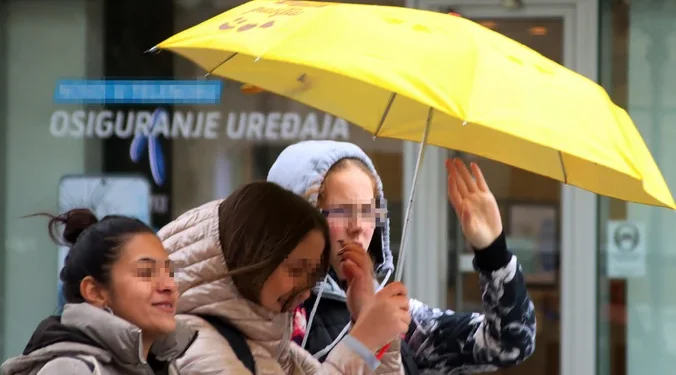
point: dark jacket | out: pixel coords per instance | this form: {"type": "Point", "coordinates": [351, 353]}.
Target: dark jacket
{"type": "Point", "coordinates": [445, 342]}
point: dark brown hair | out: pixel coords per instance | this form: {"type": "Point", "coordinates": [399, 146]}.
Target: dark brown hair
{"type": "Point", "coordinates": [94, 245]}
{"type": "Point", "coordinates": [259, 225]}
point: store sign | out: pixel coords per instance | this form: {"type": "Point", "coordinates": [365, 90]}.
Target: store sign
{"type": "Point", "coordinates": [141, 118]}
{"type": "Point", "coordinates": [181, 124]}
{"type": "Point", "coordinates": [274, 126]}
{"type": "Point", "coordinates": [626, 249]}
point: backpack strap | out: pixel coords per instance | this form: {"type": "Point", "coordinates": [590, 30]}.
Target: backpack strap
{"type": "Point", "coordinates": [235, 339]}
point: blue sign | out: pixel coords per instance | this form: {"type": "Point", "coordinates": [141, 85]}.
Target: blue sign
{"type": "Point", "coordinates": [142, 143]}
{"type": "Point", "coordinates": [138, 92]}
{"type": "Point", "coordinates": [143, 92]}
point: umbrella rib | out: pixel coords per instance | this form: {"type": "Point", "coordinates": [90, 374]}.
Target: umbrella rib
{"type": "Point", "coordinates": [219, 65]}
{"type": "Point", "coordinates": [563, 169]}
{"type": "Point", "coordinates": [385, 113]}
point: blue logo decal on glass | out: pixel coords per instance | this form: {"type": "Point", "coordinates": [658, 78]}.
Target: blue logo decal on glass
{"type": "Point", "coordinates": [142, 142]}
{"type": "Point", "coordinates": [142, 92]}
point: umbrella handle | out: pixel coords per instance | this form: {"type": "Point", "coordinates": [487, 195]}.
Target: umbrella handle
{"type": "Point", "coordinates": [381, 353]}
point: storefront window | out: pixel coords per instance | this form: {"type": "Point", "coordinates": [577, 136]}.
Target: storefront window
{"type": "Point", "coordinates": [531, 211]}
{"type": "Point", "coordinates": [42, 41]}
{"type": "Point", "coordinates": [225, 144]}
{"type": "Point", "coordinates": [637, 258]}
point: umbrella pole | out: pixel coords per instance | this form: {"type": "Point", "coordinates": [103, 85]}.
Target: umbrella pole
{"type": "Point", "coordinates": [409, 208]}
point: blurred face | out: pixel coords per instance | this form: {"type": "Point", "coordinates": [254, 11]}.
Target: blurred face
{"type": "Point", "coordinates": [290, 283]}
{"type": "Point", "coordinates": [142, 290]}
{"type": "Point", "coordinates": [349, 202]}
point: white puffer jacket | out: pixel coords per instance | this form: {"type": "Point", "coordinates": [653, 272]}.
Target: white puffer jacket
{"type": "Point", "coordinates": [193, 243]}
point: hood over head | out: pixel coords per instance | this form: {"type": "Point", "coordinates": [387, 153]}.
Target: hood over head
{"type": "Point", "coordinates": [193, 243]}
{"type": "Point", "coordinates": [302, 167]}
{"type": "Point", "coordinates": [87, 330]}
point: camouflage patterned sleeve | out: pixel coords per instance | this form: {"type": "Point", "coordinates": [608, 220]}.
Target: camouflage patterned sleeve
{"type": "Point", "coordinates": [445, 342]}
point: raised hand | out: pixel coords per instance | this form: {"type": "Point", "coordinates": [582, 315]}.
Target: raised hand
{"type": "Point", "coordinates": [474, 203]}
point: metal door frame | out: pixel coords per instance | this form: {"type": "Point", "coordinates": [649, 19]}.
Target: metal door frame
{"type": "Point", "coordinates": [578, 228]}
{"type": "Point", "coordinates": [4, 63]}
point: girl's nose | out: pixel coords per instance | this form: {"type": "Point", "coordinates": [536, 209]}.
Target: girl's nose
{"type": "Point", "coordinates": [166, 283]}
{"type": "Point", "coordinates": [355, 223]}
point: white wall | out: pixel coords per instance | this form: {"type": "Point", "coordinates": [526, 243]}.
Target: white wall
{"type": "Point", "coordinates": [47, 40]}
{"type": "Point", "coordinates": [651, 339]}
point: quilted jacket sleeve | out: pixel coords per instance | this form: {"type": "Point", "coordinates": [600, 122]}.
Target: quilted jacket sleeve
{"type": "Point", "coordinates": [345, 360]}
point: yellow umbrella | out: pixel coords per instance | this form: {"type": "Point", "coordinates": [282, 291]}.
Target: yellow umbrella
{"type": "Point", "coordinates": [432, 78]}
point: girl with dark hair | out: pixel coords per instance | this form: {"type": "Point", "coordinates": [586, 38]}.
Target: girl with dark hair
{"type": "Point", "coordinates": [120, 304]}
{"type": "Point", "coordinates": [247, 262]}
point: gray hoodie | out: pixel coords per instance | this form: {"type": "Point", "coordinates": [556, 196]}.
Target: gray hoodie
{"type": "Point", "coordinates": [87, 340]}
{"type": "Point", "coordinates": [440, 341]}
{"type": "Point", "coordinates": [303, 166]}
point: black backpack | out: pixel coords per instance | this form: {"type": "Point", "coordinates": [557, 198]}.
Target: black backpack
{"type": "Point", "coordinates": [235, 339]}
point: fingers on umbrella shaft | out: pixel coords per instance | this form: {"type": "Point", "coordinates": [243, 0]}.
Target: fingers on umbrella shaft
{"type": "Point", "coordinates": [395, 289]}
{"type": "Point", "coordinates": [400, 302]}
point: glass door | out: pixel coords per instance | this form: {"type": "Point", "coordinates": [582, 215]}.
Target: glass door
{"type": "Point", "coordinates": [531, 206]}
{"type": "Point", "coordinates": [535, 209]}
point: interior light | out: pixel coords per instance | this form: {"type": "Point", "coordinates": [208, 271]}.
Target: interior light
{"type": "Point", "coordinates": [537, 30]}
{"type": "Point", "coordinates": [489, 24]}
